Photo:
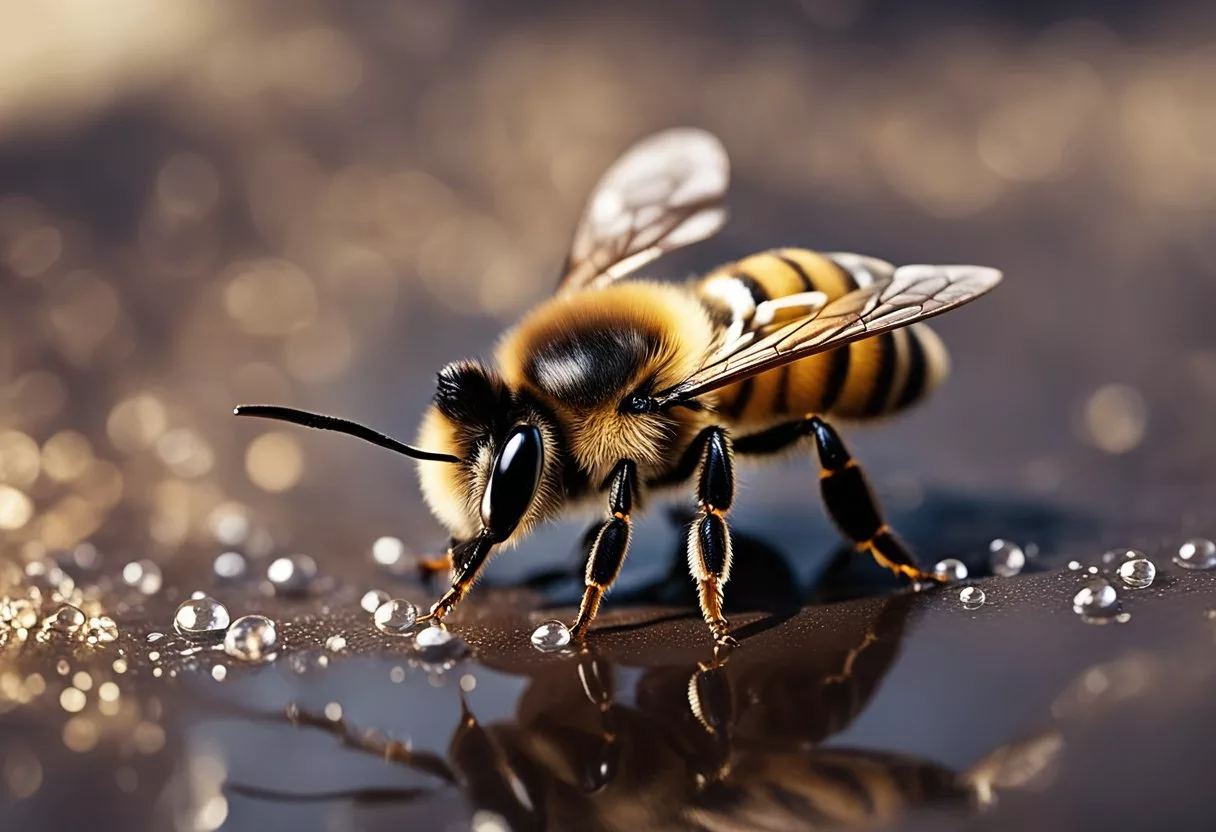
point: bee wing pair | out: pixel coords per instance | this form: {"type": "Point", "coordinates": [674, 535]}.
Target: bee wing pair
{"type": "Point", "coordinates": [668, 191]}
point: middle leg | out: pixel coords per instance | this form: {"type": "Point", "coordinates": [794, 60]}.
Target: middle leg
{"type": "Point", "coordinates": [708, 543]}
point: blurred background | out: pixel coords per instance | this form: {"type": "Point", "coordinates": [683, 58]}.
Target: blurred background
{"type": "Point", "coordinates": [320, 204]}
{"type": "Point", "coordinates": [210, 203]}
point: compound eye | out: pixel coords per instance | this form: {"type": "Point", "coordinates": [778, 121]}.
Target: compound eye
{"type": "Point", "coordinates": [513, 481]}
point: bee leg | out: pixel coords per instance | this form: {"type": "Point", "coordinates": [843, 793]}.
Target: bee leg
{"type": "Point", "coordinates": [708, 543]}
{"type": "Point", "coordinates": [853, 508]}
{"type": "Point", "coordinates": [467, 560]}
{"type": "Point", "coordinates": [610, 546]}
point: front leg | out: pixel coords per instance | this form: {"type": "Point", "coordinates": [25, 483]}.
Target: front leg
{"type": "Point", "coordinates": [708, 542]}
{"type": "Point", "coordinates": [610, 546]}
{"type": "Point", "coordinates": [467, 559]}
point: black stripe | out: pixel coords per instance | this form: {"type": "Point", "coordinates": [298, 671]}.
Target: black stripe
{"type": "Point", "coordinates": [781, 403]}
{"type": "Point", "coordinates": [735, 409]}
{"type": "Point", "coordinates": [753, 286]}
{"type": "Point", "coordinates": [914, 384]}
{"type": "Point", "coordinates": [807, 284]}
{"type": "Point", "coordinates": [838, 373]}
{"type": "Point", "coordinates": [881, 390]}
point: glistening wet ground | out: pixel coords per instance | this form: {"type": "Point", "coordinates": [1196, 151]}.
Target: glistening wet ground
{"type": "Point", "coordinates": [834, 713]}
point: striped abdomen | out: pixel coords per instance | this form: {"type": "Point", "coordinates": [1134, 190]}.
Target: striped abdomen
{"type": "Point", "coordinates": [866, 379]}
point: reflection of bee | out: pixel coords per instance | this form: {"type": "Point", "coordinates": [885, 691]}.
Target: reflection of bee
{"type": "Point", "coordinates": [720, 745]}
{"type": "Point", "coordinates": [619, 387]}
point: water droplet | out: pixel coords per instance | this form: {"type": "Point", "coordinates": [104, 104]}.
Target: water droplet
{"type": "Point", "coordinates": [335, 644]}
{"type": "Point", "coordinates": [1007, 558]}
{"type": "Point", "coordinates": [1093, 570]}
{"type": "Point", "coordinates": [1137, 573]}
{"type": "Point", "coordinates": [1096, 598]}
{"type": "Point", "coordinates": [373, 599]}
{"type": "Point", "coordinates": [1074, 565]}
{"type": "Point", "coordinates": [230, 566]}
{"type": "Point", "coordinates": [550, 636]}
{"type": "Point", "coordinates": [292, 575]}
{"type": "Point", "coordinates": [952, 569]}
{"type": "Point", "coordinates": [972, 597]}
{"type": "Point", "coordinates": [1199, 553]}
{"type": "Point", "coordinates": [250, 638]}
{"type": "Point", "coordinates": [143, 575]}
{"type": "Point", "coordinates": [437, 644]}
{"type": "Point", "coordinates": [396, 616]}
{"type": "Point", "coordinates": [201, 617]}
{"type": "Point", "coordinates": [67, 620]}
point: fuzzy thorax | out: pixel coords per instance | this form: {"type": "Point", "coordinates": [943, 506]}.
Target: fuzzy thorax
{"type": "Point", "coordinates": [582, 354]}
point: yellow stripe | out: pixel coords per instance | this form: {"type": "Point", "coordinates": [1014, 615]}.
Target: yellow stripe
{"type": "Point", "coordinates": [767, 269]}
{"type": "Point", "coordinates": [828, 277]}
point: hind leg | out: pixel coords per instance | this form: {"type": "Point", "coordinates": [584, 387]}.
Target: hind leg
{"type": "Point", "coordinates": [846, 494]}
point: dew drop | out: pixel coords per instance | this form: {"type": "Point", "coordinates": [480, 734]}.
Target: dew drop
{"type": "Point", "coordinates": [219, 673]}
{"type": "Point", "coordinates": [1096, 598]}
{"type": "Point", "coordinates": [972, 597]}
{"type": "Point", "coordinates": [335, 644]}
{"type": "Point", "coordinates": [200, 617]}
{"type": "Point", "coordinates": [230, 566]}
{"type": "Point", "coordinates": [1199, 553]}
{"type": "Point", "coordinates": [67, 620]}
{"type": "Point", "coordinates": [1074, 565]}
{"type": "Point", "coordinates": [143, 575]}
{"type": "Point", "coordinates": [951, 569]}
{"type": "Point", "coordinates": [1138, 573]}
{"type": "Point", "coordinates": [250, 638]}
{"type": "Point", "coordinates": [374, 599]}
{"type": "Point", "coordinates": [1007, 558]}
{"type": "Point", "coordinates": [396, 616]}
{"type": "Point", "coordinates": [437, 644]}
{"type": "Point", "coordinates": [550, 636]}
{"type": "Point", "coordinates": [292, 575]}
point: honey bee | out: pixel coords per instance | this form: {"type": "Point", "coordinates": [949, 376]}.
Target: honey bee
{"type": "Point", "coordinates": [614, 389]}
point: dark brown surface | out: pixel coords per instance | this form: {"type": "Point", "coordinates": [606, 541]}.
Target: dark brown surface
{"type": "Point", "coordinates": [416, 173]}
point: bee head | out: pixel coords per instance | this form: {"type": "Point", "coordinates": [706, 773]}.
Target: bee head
{"type": "Point", "coordinates": [508, 476]}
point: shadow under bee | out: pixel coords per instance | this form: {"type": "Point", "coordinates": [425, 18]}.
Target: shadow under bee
{"type": "Point", "coordinates": [777, 571]}
{"type": "Point", "coordinates": [694, 739]}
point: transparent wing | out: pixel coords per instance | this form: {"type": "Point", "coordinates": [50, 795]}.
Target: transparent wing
{"type": "Point", "coordinates": [665, 192]}
{"type": "Point", "coordinates": [912, 293]}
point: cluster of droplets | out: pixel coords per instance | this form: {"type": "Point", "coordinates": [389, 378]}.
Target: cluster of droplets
{"type": "Point", "coordinates": [41, 601]}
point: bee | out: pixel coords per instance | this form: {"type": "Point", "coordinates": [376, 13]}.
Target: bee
{"type": "Point", "coordinates": [615, 389]}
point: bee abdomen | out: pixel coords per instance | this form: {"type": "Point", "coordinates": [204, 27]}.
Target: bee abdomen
{"type": "Point", "coordinates": [869, 378]}
{"type": "Point", "coordinates": [891, 372]}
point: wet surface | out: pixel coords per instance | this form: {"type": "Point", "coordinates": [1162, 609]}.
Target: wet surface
{"type": "Point", "coordinates": [319, 210]}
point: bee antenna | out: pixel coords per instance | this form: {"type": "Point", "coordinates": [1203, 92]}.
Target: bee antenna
{"type": "Point", "coordinates": [323, 422]}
